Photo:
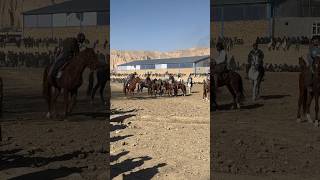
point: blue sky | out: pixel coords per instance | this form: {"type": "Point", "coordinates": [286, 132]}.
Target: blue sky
{"type": "Point", "coordinates": [160, 25]}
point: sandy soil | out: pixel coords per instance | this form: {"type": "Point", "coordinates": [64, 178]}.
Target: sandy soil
{"type": "Point", "coordinates": [263, 139]}
{"type": "Point", "coordinates": [159, 138]}
{"type": "Point", "coordinates": [37, 148]}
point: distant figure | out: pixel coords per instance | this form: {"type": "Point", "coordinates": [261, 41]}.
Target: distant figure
{"type": "Point", "coordinates": [189, 83]}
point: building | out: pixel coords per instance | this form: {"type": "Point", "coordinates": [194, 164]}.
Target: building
{"type": "Point", "coordinates": [68, 18]}
{"type": "Point", "coordinates": [185, 65]}
{"type": "Point", "coordinates": [249, 19]}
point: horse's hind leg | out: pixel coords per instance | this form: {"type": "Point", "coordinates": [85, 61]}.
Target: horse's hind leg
{"type": "Point", "coordinates": [54, 101]}
{"type": "Point", "coordinates": [74, 95]}
{"type": "Point", "coordinates": [102, 88]}
{"type": "Point", "coordinates": [309, 100]}
{"type": "Point", "coordinates": [231, 90]}
{"type": "Point", "coordinates": [93, 93]}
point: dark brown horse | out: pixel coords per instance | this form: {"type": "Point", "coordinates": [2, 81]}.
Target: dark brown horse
{"type": "Point", "coordinates": [131, 86]}
{"type": "Point", "coordinates": [69, 82]}
{"type": "Point", "coordinates": [206, 90]}
{"type": "Point", "coordinates": [169, 87]}
{"type": "Point", "coordinates": [303, 89]}
{"type": "Point", "coordinates": [182, 87]}
{"type": "Point", "coordinates": [145, 84]}
{"type": "Point", "coordinates": [314, 92]}
{"type": "Point", "coordinates": [234, 83]}
{"type": "Point", "coordinates": [157, 87]}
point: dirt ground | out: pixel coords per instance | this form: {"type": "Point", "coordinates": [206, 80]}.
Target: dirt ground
{"type": "Point", "coordinates": [159, 138]}
{"type": "Point", "coordinates": [38, 148]}
{"type": "Point", "coordinates": [263, 139]}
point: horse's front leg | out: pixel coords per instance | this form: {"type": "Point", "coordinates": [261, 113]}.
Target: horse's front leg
{"type": "Point", "coordinates": [54, 101]}
{"type": "Point", "coordinates": [254, 90]}
{"type": "Point", "coordinates": [74, 95]}
{"type": "Point", "coordinates": [66, 103]}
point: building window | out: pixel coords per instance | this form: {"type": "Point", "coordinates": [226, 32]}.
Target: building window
{"type": "Point", "coordinates": [316, 29]}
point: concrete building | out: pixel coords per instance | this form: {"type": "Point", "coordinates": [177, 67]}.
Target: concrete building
{"type": "Point", "coordinates": [185, 65]}
{"type": "Point", "coordinates": [249, 19]}
{"type": "Point", "coordinates": [68, 18]}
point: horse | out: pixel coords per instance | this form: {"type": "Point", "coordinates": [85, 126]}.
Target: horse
{"type": "Point", "coordinates": [70, 80]}
{"type": "Point", "coordinates": [255, 75]}
{"type": "Point", "coordinates": [234, 83]}
{"type": "Point", "coordinates": [314, 92]}
{"type": "Point", "coordinates": [206, 90]}
{"type": "Point", "coordinates": [181, 86]}
{"type": "Point", "coordinates": [131, 85]}
{"type": "Point", "coordinates": [156, 87]}
{"type": "Point", "coordinates": [303, 90]}
{"type": "Point", "coordinates": [145, 84]}
{"type": "Point", "coordinates": [102, 79]}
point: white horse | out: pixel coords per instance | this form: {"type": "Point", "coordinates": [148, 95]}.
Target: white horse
{"type": "Point", "coordinates": [255, 76]}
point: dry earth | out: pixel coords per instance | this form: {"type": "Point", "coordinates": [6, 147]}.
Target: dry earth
{"type": "Point", "coordinates": [263, 139]}
{"type": "Point", "coordinates": [159, 138]}
{"type": "Point", "coordinates": [37, 148]}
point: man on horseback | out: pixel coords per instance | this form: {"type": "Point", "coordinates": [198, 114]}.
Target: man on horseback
{"type": "Point", "coordinates": [219, 63]}
{"type": "Point", "coordinates": [70, 48]}
{"type": "Point", "coordinates": [314, 51]}
{"type": "Point", "coordinates": [255, 52]}
{"type": "Point", "coordinates": [130, 78]}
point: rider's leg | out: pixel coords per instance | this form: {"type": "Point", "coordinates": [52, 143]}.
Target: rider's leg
{"type": "Point", "coordinates": [59, 63]}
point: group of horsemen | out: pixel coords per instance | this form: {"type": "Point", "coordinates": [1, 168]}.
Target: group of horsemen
{"type": "Point", "coordinates": [220, 63]}
{"type": "Point", "coordinates": [169, 78]}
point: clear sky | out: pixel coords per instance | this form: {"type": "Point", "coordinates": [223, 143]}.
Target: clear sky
{"type": "Point", "coordinates": [159, 25]}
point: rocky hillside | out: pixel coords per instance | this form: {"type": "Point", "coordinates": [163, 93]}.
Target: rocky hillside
{"type": "Point", "coordinates": [10, 11]}
{"type": "Point", "coordinates": [120, 57]}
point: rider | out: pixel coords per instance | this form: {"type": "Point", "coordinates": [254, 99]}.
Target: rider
{"type": "Point", "coordinates": [220, 63]}
{"type": "Point", "coordinates": [70, 48]}
{"type": "Point", "coordinates": [130, 77]}
{"type": "Point", "coordinates": [179, 78]}
{"type": "Point", "coordinates": [314, 51]}
{"type": "Point", "coordinates": [255, 52]}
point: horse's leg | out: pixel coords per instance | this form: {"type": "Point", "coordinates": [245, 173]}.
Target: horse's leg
{"type": "Point", "coordinates": [309, 100]}
{"type": "Point", "coordinates": [254, 87]}
{"type": "Point", "coordinates": [54, 101]}
{"type": "Point", "coordinates": [94, 90]}
{"type": "Point", "coordinates": [102, 88]}
{"type": "Point", "coordinates": [316, 123]}
{"type": "Point", "coordinates": [299, 107]}
{"type": "Point", "coordinates": [74, 95]}
{"type": "Point", "coordinates": [66, 102]}
{"type": "Point", "coordinates": [231, 90]}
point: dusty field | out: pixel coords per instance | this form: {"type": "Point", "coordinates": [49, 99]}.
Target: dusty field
{"type": "Point", "coordinates": [263, 140]}
{"type": "Point", "coordinates": [159, 138]}
{"type": "Point", "coordinates": [37, 148]}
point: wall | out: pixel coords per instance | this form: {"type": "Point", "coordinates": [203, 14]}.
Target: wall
{"type": "Point", "coordinates": [296, 26]}
{"type": "Point", "coordinates": [246, 30]}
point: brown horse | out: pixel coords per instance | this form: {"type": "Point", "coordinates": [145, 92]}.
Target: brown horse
{"type": "Point", "coordinates": [70, 81]}
{"type": "Point", "coordinates": [182, 87]}
{"type": "Point", "coordinates": [131, 86]}
{"type": "Point", "coordinates": [234, 83]}
{"type": "Point", "coordinates": [314, 92]}
{"type": "Point", "coordinates": [206, 90]}
{"type": "Point", "coordinates": [169, 87]}
{"type": "Point", "coordinates": [303, 89]}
